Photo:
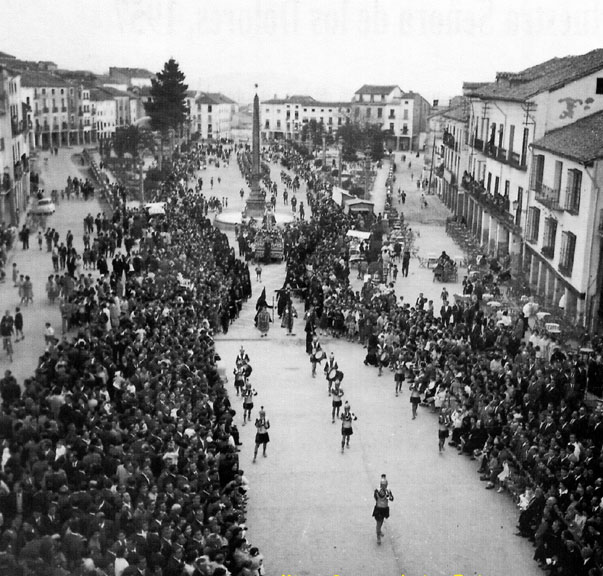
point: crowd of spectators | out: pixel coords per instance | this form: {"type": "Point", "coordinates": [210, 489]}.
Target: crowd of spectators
{"type": "Point", "coordinates": [515, 400]}
{"type": "Point", "coordinates": [120, 454]}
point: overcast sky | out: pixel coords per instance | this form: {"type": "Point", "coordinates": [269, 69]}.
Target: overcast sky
{"type": "Point", "coordinates": [325, 48]}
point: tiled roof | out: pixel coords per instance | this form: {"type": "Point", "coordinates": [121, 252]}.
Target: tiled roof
{"type": "Point", "coordinates": [459, 113]}
{"type": "Point", "coordinates": [116, 92]}
{"type": "Point", "coordinates": [307, 101]}
{"type": "Point", "coordinates": [100, 94]}
{"type": "Point", "coordinates": [132, 72]}
{"type": "Point", "coordinates": [371, 89]}
{"type": "Point", "coordinates": [296, 99]}
{"type": "Point", "coordinates": [581, 141]}
{"type": "Point", "coordinates": [546, 76]}
{"type": "Point", "coordinates": [36, 79]}
{"type": "Point", "coordinates": [220, 98]}
{"type": "Point", "coordinates": [4, 56]}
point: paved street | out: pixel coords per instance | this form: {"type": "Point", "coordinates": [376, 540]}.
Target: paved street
{"type": "Point", "coordinates": [38, 264]}
{"type": "Point", "coordinates": [310, 506]}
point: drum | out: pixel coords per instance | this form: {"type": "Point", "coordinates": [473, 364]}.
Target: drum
{"type": "Point", "coordinates": [384, 357]}
{"type": "Point", "coordinates": [247, 369]}
{"type": "Point", "coordinates": [319, 356]}
{"type": "Point", "coordinates": [332, 374]}
{"type": "Point", "coordinates": [339, 375]}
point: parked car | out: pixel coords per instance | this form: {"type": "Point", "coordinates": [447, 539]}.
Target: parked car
{"type": "Point", "coordinates": [44, 206]}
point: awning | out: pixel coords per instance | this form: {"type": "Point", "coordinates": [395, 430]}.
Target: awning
{"type": "Point", "coordinates": [358, 234]}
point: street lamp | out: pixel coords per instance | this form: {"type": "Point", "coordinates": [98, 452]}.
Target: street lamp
{"type": "Point", "coordinates": [340, 146]}
{"type": "Point", "coordinates": [367, 168]}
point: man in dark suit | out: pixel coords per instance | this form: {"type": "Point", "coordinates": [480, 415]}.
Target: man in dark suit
{"type": "Point", "coordinates": [16, 503]}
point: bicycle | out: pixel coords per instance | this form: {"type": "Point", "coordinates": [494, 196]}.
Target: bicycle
{"type": "Point", "coordinates": [7, 345]}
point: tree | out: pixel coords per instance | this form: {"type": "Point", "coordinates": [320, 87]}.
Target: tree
{"type": "Point", "coordinates": [167, 107]}
{"type": "Point", "coordinates": [352, 141]}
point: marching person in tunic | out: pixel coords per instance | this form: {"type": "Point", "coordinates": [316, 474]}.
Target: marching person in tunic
{"type": "Point", "coordinates": [415, 398]}
{"type": "Point", "coordinates": [263, 321]}
{"type": "Point", "coordinates": [330, 371]}
{"type": "Point", "coordinates": [248, 395]}
{"type": "Point", "coordinates": [289, 313]}
{"type": "Point", "coordinates": [399, 374]}
{"type": "Point", "coordinates": [261, 437]}
{"type": "Point", "coordinates": [346, 425]}
{"type": "Point", "coordinates": [383, 496]}
{"type": "Point", "coordinates": [337, 395]}
{"type": "Point", "coordinates": [317, 355]}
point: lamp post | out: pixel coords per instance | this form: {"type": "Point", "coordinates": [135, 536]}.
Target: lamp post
{"type": "Point", "coordinates": [340, 146]}
{"type": "Point", "coordinates": [367, 170]}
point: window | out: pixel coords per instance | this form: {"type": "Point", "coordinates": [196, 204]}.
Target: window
{"type": "Point", "coordinates": [379, 112]}
{"type": "Point", "coordinates": [550, 233]}
{"type": "Point", "coordinates": [574, 184]}
{"type": "Point", "coordinates": [405, 129]}
{"type": "Point", "coordinates": [496, 184]}
{"type": "Point", "coordinates": [368, 112]}
{"type": "Point", "coordinates": [209, 109]}
{"type": "Point", "coordinates": [278, 124]}
{"type": "Point", "coordinates": [599, 89]}
{"type": "Point", "coordinates": [391, 126]}
{"type": "Point", "coordinates": [405, 117]}
{"type": "Point", "coordinates": [533, 227]}
{"type": "Point", "coordinates": [524, 146]}
{"type": "Point", "coordinates": [566, 259]}
{"type": "Point", "coordinates": [489, 184]}
{"type": "Point", "coordinates": [537, 173]}
{"type": "Point", "coordinates": [1, 143]}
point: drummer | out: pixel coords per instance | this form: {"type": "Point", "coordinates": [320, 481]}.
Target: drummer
{"type": "Point", "coordinates": [330, 371]}
{"type": "Point", "coordinates": [337, 395]}
{"type": "Point", "coordinates": [317, 354]}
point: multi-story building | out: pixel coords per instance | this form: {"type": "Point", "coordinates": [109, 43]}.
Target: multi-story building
{"type": "Point", "coordinates": [211, 115]}
{"type": "Point", "coordinates": [104, 112]}
{"type": "Point", "coordinates": [131, 76]}
{"type": "Point", "coordinates": [52, 109]}
{"type": "Point", "coordinates": [14, 148]}
{"type": "Point", "coordinates": [507, 120]}
{"type": "Point", "coordinates": [122, 107]}
{"type": "Point", "coordinates": [285, 118]}
{"type": "Point", "coordinates": [452, 148]}
{"type": "Point", "coordinates": [403, 115]}
{"type": "Point", "coordinates": [564, 224]}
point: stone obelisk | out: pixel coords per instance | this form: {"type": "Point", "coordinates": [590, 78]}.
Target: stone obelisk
{"type": "Point", "coordinates": [256, 204]}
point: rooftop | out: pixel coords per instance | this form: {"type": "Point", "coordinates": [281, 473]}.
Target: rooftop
{"type": "Point", "coordinates": [36, 79]}
{"type": "Point", "coordinates": [131, 72]}
{"type": "Point", "coordinates": [581, 141]}
{"type": "Point", "coordinates": [549, 75]}
{"type": "Point", "coordinates": [372, 89]}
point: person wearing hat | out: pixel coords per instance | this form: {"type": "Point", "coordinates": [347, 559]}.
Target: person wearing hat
{"type": "Point", "coordinates": [383, 496]}
{"type": "Point", "coordinates": [346, 425]}
{"type": "Point", "coordinates": [261, 436]}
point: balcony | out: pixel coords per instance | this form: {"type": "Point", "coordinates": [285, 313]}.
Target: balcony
{"type": "Point", "coordinates": [45, 110]}
{"type": "Point", "coordinates": [496, 204]}
{"type": "Point", "coordinates": [478, 144]}
{"type": "Point", "coordinates": [448, 140]}
{"type": "Point", "coordinates": [54, 109]}
{"type": "Point", "coordinates": [17, 127]}
{"type": "Point", "coordinates": [548, 252]}
{"type": "Point", "coordinates": [515, 161]}
{"type": "Point", "coordinates": [63, 108]}
{"type": "Point", "coordinates": [548, 197]}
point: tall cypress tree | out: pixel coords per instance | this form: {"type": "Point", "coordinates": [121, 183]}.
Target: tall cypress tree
{"type": "Point", "coordinates": [167, 108]}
